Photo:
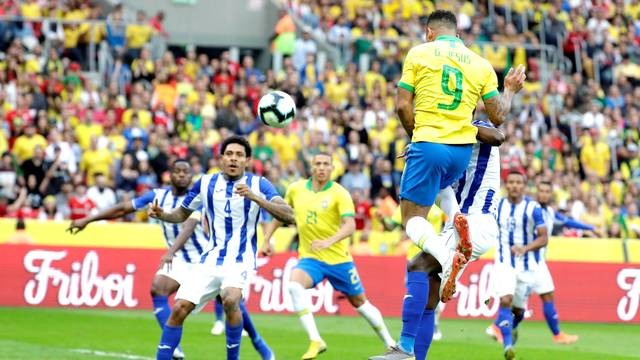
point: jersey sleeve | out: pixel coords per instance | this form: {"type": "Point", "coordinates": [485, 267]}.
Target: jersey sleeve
{"type": "Point", "coordinates": [538, 218]}
{"type": "Point", "coordinates": [407, 81]}
{"type": "Point", "coordinates": [490, 88]}
{"type": "Point", "coordinates": [143, 200]}
{"type": "Point", "coordinates": [267, 189]}
{"type": "Point", "coordinates": [573, 224]}
{"type": "Point", "coordinates": [288, 196]}
{"type": "Point", "coordinates": [193, 200]}
{"type": "Point", "coordinates": [345, 204]}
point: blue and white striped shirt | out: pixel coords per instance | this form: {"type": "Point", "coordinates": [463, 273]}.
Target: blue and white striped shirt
{"type": "Point", "coordinates": [478, 188]}
{"type": "Point", "coordinates": [518, 225]}
{"type": "Point", "coordinates": [193, 248]}
{"type": "Point", "coordinates": [232, 219]}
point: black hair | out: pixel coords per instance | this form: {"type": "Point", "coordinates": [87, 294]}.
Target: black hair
{"type": "Point", "coordinates": [177, 161]}
{"type": "Point", "coordinates": [443, 18]}
{"type": "Point", "coordinates": [235, 139]}
{"type": "Point", "coordinates": [517, 172]}
{"type": "Point", "coordinates": [546, 182]}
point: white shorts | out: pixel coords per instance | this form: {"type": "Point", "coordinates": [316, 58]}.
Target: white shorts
{"type": "Point", "coordinates": [509, 281]}
{"type": "Point", "coordinates": [483, 232]}
{"type": "Point", "coordinates": [543, 282]}
{"type": "Point", "coordinates": [207, 280]}
{"type": "Point", "coordinates": [180, 270]}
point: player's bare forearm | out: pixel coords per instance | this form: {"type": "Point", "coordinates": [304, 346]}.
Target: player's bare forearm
{"type": "Point", "coordinates": [405, 110]}
{"type": "Point", "coordinates": [278, 209]}
{"type": "Point", "coordinates": [176, 215]}
{"type": "Point", "coordinates": [188, 228]}
{"type": "Point", "coordinates": [271, 229]}
{"type": "Point", "coordinates": [540, 242]}
{"type": "Point", "coordinates": [347, 228]}
{"type": "Point", "coordinates": [499, 107]}
{"type": "Point", "coordinates": [119, 210]}
{"type": "Point", "coordinates": [490, 136]}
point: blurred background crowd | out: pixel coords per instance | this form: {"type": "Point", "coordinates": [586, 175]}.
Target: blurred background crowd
{"type": "Point", "coordinates": [73, 144]}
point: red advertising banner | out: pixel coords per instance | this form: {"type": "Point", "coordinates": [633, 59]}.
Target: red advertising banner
{"type": "Point", "coordinates": [120, 278]}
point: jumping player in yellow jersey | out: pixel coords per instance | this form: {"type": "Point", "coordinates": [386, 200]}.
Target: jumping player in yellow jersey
{"type": "Point", "coordinates": [442, 82]}
{"type": "Point", "coordinates": [324, 213]}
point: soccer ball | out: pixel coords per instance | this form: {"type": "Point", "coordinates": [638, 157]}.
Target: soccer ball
{"type": "Point", "coordinates": [276, 109]}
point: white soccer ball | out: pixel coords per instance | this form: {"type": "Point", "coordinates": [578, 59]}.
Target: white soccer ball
{"type": "Point", "coordinates": [276, 109]}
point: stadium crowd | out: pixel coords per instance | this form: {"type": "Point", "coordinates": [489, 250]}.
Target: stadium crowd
{"type": "Point", "coordinates": [70, 146]}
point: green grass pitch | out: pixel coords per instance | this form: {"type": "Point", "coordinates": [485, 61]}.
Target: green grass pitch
{"type": "Point", "coordinates": [38, 334]}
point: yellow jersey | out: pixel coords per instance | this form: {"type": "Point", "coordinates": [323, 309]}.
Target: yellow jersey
{"type": "Point", "coordinates": [448, 80]}
{"type": "Point", "coordinates": [436, 217]}
{"type": "Point", "coordinates": [318, 217]}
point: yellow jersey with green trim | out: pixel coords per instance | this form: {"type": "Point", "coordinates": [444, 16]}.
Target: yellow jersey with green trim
{"type": "Point", "coordinates": [436, 217]}
{"type": "Point", "coordinates": [447, 79]}
{"type": "Point", "coordinates": [318, 216]}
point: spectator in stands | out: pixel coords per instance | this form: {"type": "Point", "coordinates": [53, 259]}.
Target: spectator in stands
{"type": "Point", "coordinates": [100, 194]}
{"type": "Point", "coordinates": [138, 35]}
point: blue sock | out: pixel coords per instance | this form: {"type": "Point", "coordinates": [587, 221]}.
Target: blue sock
{"type": "Point", "coordinates": [412, 307]}
{"type": "Point", "coordinates": [247, 324]}
{"type": "Point", "coordinates": [168, 342]}
{"type": "Point", "coordinates": [161, 309]}
{"type": "Point", "coordinates": [517, 319]}
{"type": "Point", "coordinates": [425, 334]}
{"type": "Point", "coordinates": [234, 336]}
{"type": "Point", "coordinates": [505, 323]}
{"type": "Point", "coordinates": [551, 316]}
{"type": "Point", "coordinates": [217, 307]}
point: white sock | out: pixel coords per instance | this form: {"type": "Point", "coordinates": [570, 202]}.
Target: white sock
{"type": "Point", "coordinates": [302, 305]}
{"type": "Point", "coordinates": [421, 232]}
{"type": "Point", "coordinates": [374, 317]}
{"type": "Point", "coordinates": [449, 203]}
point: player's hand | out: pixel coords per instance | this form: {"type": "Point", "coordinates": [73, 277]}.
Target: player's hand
{"type": "Point", "coordinates": [515, 79]}
{"type": "Point", "coordinates": [244, 190]}
{"type": "Point", "coordinates": [404, 152]}
{"type": "Point", "coordinates": [318, 245]}
{"type": "Point", "coordinates": [267, 249]}
{"type": "Point", "coordinates": [518, 250]}
{"type": "Point", "coordinates": [155, 211]}
{"type": "Point", "coordinates": [166, 260]}
{"type": "Point", "coordinates": [77, 226]}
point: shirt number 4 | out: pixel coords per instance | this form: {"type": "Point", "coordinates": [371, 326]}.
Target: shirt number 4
{"type": "Point", "coordinates": [456, 92]}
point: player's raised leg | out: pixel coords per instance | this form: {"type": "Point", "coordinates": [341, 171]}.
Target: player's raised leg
{"type": "Point", "coordinates": [301, 280]}
{"type": "Point", "coordinates": [161, 287]}
{"type": "Point", "coordinates": [172, 330]}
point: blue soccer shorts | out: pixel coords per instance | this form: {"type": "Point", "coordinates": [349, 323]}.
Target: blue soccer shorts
{"type": "Point", "coordinates": [431, 167]}
{"type": "Point", "coordinates": [343, 277]}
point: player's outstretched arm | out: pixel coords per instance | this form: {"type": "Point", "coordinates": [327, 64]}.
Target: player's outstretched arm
{"type": "Point", "coordinates": [404, 101]}
{"type": "Point", "coordinates": [188, 228]}
{"type": "Point", "coordinates": [347, 228]}
{"type": "Point", "coordinates": [119, 210]}
{"type": "Point", "coordinates": [490, 136]}
{"type": "Point", "coordinates": [177, 215]}
{"type": "Point", "coordinates": [498, 107]}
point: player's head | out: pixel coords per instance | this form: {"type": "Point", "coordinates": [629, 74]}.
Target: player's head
{"type": "Point", "coordinates": [441, 22]}
{"type": "Point", "coordinates": [235, 151]}
{"type": "Point", "coordinates": [181, 174]}
{"type": "Point", "coordinates": [545, 193]}
{"type": "Point", "coordinates": [321, 167]}
{"type": "Point", "coordinates": [515, 185]}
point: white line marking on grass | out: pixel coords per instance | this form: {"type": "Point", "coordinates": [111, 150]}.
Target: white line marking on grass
{"type": "Point", "coordinates": [110, 354]}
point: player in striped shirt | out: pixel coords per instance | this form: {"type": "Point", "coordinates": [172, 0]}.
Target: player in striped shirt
{"type": "Point", "coordinates": [167, 280]}
{"type": "Point", "coordinates": [523, 233]}
{"type": "Point", "coordinates": [543, 282]}
{"type": "Point", "coordinates": [231, 202]}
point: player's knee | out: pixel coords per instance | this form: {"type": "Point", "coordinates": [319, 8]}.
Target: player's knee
{"type": "Point", "coordinates": [181, 309]}
{"type": "Point", "coordinates": [357, 300]}
{"type": "Point", "coordinates": [415, 225]}
{"type": "Point", "coordinates": [295, 289]}
{"type": "Point", "coordinates": [518, 312]}
{"type": "Point", "coordinates": [548, 297]}
{"type": "Point", "coordinates": [506, 301]}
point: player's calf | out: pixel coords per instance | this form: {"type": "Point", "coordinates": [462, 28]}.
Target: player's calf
{"type": "Point", "coordinates": [181, 309]}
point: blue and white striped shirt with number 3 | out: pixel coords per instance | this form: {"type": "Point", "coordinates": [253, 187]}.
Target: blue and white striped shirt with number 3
{"type": "Point", "coordinates": [231, 218]}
